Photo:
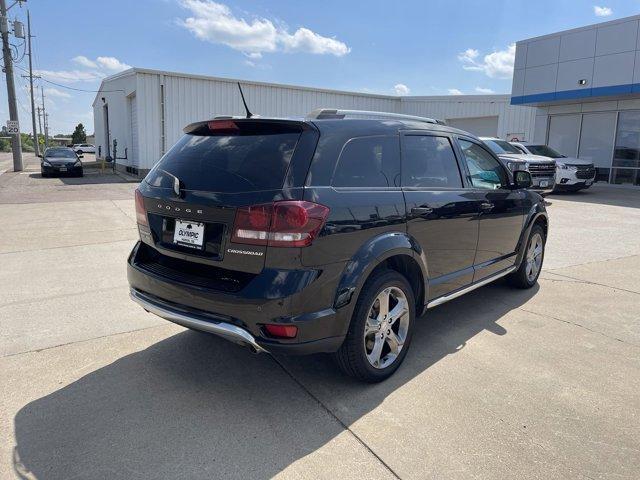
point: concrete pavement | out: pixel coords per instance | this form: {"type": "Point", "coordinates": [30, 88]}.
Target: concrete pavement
{"type": "Point", "coordinates": [501, 383]}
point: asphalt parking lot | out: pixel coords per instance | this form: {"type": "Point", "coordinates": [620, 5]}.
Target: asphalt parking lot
{"type": "Point", "coordinates": [501, 383]}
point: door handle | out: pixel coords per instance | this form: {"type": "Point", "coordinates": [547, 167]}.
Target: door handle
{"type": "Point", "coordinates": [486, 206]}
{"type": "Point", "coordinates": [421, 210]}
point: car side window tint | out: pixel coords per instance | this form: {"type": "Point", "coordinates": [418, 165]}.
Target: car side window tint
{"type": "Point", "coordinates": [368, 162]}
{"type": "Point", "coordinates": [429, 162]}
{"type": "Point", "coordinates": [485, 171]}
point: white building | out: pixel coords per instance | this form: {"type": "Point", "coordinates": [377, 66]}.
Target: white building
{"type": "Point", "coordinates": [585, 85]}
{"type": "Point", "coordinates": [144, 111]}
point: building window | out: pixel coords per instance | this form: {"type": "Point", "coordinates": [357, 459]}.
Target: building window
{"type": "Point", "coordinates": [626, 155]}
{"type": "Point", "coordinates": [596, 141]}
{"type": "Point", "coordinates": [563, 134]}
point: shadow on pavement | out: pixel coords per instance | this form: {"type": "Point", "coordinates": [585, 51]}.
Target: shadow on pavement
{"type": "Point", "coordinates": [195, 406]}
{"type": "Point", "coordinates": [91, 177]}
{"type": "Point", "coordinates": [602, 195]}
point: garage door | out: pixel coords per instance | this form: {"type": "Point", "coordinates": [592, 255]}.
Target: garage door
{"type": "Point", "coordinates": [479, 126]}
{"type": "Point", "coordinates": [133, 154]}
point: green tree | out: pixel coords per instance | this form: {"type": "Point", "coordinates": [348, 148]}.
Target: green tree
{"type": "Point", "coordinates": [79, 135]}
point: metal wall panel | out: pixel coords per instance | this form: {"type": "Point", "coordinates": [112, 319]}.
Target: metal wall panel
{"type": "Point", "coordinates": [167, 102]}
{"type": "Point", "coordinates": [595, 61]}
{"type": "Point", "coordinates": [511, 119]}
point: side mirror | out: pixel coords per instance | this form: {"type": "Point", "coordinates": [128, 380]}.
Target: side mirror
{"type": "Point", "coordinates": [522, 179]}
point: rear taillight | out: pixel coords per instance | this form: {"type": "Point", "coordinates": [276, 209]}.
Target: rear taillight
{"type": "Point", "coordinates": [279, 224]}
{"type": "Point", "coordinates": [141, 213]}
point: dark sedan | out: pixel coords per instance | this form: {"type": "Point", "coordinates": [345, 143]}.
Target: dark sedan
{"type": "Point", "coordinates": [61, 160]}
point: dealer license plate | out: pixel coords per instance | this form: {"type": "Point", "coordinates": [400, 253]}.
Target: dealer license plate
{"type": "Point", "coordinates": [63, 169]}
{"type": "Point", "coordinates": [189, 234]}
{"type": "Point", "coordinates": [544, 183]}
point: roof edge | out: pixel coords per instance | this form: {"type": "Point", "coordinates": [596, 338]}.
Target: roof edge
{"type": "Point", "coordinates": [492, 97]}
{"type": "Point", "coordinates": [580, 29]}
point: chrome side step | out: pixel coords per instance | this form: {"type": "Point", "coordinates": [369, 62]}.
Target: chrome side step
{"type": "Point", "coordinates": [458, 293]}
{"type": "Point", "coordinates": [222, 329]}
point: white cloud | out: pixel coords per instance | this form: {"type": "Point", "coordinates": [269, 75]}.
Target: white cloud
{"type": "Point", "coordinates": [112, 64]}
{"type": "Point", "coordinates": [469, 55]}
{"type": "Point", "coordinates": [70, 76]}
{"type": "Point", "coordinates": [455, 91]}
{"type": "Point", "coordinates": [95, 70]}
{"type": "Point", "coordinates": [401, 89]}
{"type": "Point", "coordinates": [215, 23]}
{"type": "Point", "coordinates": [483, 90]}
{"type": "Point", "coordinates": [602, 11]}
{"type": "Point", "coordinates": [84, 61]}
{"type": "Point", "coordinates": [498, 64]}
{"type": "Point", "coordinates": [54, 92]}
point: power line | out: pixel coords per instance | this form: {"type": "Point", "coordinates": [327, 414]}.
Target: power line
{"type": "Point", "coordinates": [71, 88]}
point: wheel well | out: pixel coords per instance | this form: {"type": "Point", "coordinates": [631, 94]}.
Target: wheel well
{"type": "Point", "coordinates": [542, 221]}
{"type": "Point", "coordinates": [407, 266]}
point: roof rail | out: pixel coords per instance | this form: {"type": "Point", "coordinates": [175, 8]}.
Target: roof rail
{"type": "Point", "coordinates": [339, 114]}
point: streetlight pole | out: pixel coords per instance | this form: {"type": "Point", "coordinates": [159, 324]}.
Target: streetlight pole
{"type": "Point", "coordinates": [16, 146]}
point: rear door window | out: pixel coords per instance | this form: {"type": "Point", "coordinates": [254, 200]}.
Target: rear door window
{"type": "Point", "coordinates": [429, 162]}
{"type": "Point", "coordinates": [368, 162]}
{"type": "Point", "coordinates": [248, 156]}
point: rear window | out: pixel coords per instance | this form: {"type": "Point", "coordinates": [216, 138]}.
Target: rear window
{"type": "Point", "coordinates": [60, 153]}
{"type": "Point", "coordinates": [368, 162]}
{"type": "Point", "coordinates": [429, 162]}
{"type": "Point", "coordinates": [252, 156]}
{"type": "Point", "coordinates": [500, 146]}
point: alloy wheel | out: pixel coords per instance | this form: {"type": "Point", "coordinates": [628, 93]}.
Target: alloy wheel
{"type": "Point", "coordinates": [534, 257]}
{"type": "Point", "coordinates": [386, 327]}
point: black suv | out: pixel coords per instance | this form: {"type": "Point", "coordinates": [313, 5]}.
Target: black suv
{"type": "Point", "coordinates": [328, 234]}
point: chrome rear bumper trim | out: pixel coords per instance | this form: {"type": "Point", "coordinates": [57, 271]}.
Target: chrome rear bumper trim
{"type": "Point", "coordinates": [226, 330]}
{"type": "Point", "coordinates": [458, 293]}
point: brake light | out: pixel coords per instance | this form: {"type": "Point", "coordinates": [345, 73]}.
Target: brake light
{"type": "Point", "coordinates": [141, 213]}
{"type": "Point", "coordinates": [281, 331]}
{"type": "Point", "coordinates": [279, 224]}
{"type": "Point", "coordinates": [216, 125]}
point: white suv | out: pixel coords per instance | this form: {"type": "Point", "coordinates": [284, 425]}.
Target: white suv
{"type": "Point", "coordinates": [571, 173]}
{"type": "Point", "coordinates": [542, 169]}
{"type": "Point", "coordinates": [81, 148]}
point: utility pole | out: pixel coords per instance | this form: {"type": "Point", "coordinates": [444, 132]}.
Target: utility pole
{"type": "Point", "coordinates": [44, 119]}
{"type": "Point", "coordinates": [33, 109]}
{"type": "Point", "coordinates": [39, 121]}
{"type": "Point", "coordinates": [16, 146]}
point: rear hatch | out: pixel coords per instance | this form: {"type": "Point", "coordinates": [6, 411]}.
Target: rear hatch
{"type": "Point", "coordinates": [215, 172]}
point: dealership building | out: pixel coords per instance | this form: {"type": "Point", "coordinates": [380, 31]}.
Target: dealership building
{"type": "Point", "coordinates": [577, 90]}
{"type": "Point", "coordinates": [585, 87]}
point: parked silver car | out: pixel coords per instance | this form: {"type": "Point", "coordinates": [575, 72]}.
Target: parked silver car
{"type": "Point", "coordinates": [571, 173]}
{"type": "Point", "coordinates": [542, 169]}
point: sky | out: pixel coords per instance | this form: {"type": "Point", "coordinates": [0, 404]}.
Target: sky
{"type": "Point", "coordinates": [417, 47]}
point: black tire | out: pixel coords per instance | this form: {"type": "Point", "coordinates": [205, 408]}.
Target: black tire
{"type": "Point", "coordinates": [352, 355]}
{"type": "Point", "coordinates": [44, 175]}
{"type": "Point", "coordinates": [522, 278]}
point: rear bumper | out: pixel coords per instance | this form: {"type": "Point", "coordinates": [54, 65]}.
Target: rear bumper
{"type": "Point", "coordinates": [240, 316]}
{"type": "Point", "coordinates": [196, 321]}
